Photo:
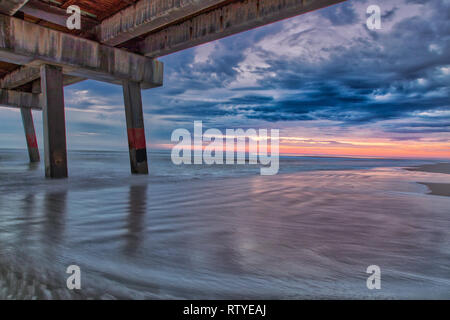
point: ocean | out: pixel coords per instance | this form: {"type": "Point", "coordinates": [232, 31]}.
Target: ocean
{"type": "Point", "coordinates": [222, 231]}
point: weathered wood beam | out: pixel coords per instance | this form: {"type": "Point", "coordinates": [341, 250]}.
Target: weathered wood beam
{"type": "Point", "coordinates": [148, 15]}
{"type": "Point", "coordinates": [56, 15]}
{"type": "Point", "coordinates": [20, 77]}
{"type": "Point", "coordinates": [69, 80]}
{"type": "Point", "coordinates": [25, 75]}
{"type": "Point", "coordinates": [10, 7]}
{"type": "Point", "coordinates": [29, 44]}
{"type": "Point", "coordinates": [17, 99]}
{"type": "Point", "coordinates": [223, 21]}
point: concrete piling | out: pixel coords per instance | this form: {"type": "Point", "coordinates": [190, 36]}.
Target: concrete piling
{"type": "Point", "coordinates": [135, 127]}
{"type": "Point", "coordinates": [30, 134]}
{"type": "Point", "coordinates": [54, 122]}
{"type": "Point", "coordinates": [28, 125]}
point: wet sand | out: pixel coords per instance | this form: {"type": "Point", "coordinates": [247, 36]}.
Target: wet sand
{"type": "Point", "coordinates": [433, 168]}
{"type": "Point", "coordinates": [218, 233]}
{"type": "Point", "coordinates": [437, 189]}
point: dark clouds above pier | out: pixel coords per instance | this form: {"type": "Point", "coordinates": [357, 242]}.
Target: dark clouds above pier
{"type": "Point", "coordinates": [322, 66]}
{"type": "Point", "coordinates": [320, 74]}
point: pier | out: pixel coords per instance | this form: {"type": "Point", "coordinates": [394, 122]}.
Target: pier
{"type": "Point", "coordinates": [118, 42]}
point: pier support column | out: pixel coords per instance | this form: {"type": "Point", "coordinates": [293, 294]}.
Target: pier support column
{"type": "Point", "coordinates": [135, 127]}
{"type": "Point", "coordinates": [30, 134]}
{"type": "Point", "coordinates": [28, 125]}
{"type": "Point", "coordinates": [55, 149]}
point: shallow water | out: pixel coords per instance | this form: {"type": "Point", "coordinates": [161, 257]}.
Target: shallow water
{"type": "Point", "coordinates": [222, 231]}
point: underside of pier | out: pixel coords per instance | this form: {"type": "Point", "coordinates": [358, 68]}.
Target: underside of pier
{"type": "Point", "coordinates": [118, 42]}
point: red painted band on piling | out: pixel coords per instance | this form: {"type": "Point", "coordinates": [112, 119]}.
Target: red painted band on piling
{"type": "Point", "coordinates": [31, 141]}
{"type": "Point", "coordinates": [136, 138]}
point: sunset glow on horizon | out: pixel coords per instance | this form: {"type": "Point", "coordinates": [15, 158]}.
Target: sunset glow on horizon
{"type": "Point", "coordinates": [331, 86]}
{"type": "Point", "coordinates": [377, 148]}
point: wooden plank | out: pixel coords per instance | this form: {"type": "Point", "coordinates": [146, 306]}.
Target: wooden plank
{"type": "Point", "coordinates": [100, 9]}
{"type": "Point", "coordinates": [10, 7]}
{"type": "Point", "coordinates": [148, 15]}
{"type": "Point", "coordinates": [17, 99]}
{"type": "Point", "coordinates": [29, 44]}
{"type": "Point", "coordinates": [25, 75]}
{"type": "Point", "coordinates": [224, 21]}
{"type": "Point", "coordinates": [56, 15]}
{"type": "Point", "coordinates": [20, 77]}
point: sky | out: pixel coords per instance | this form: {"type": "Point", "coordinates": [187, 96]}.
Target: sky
{"type": "Point", "coordinates": [327, 82]}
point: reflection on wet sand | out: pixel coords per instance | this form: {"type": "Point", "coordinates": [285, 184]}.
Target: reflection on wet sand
{"type": "Point", "coordinates": [53, 227]}
{"type": "Point", "coordinates": [137, 208]}
{"type": "Point", "coordinates": [33, 166]}
{"type": "Point", "coordinates": [27, 215]}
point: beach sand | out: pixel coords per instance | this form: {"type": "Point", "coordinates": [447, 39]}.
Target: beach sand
{"type": "Point", "coordinates": [438, 189]}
